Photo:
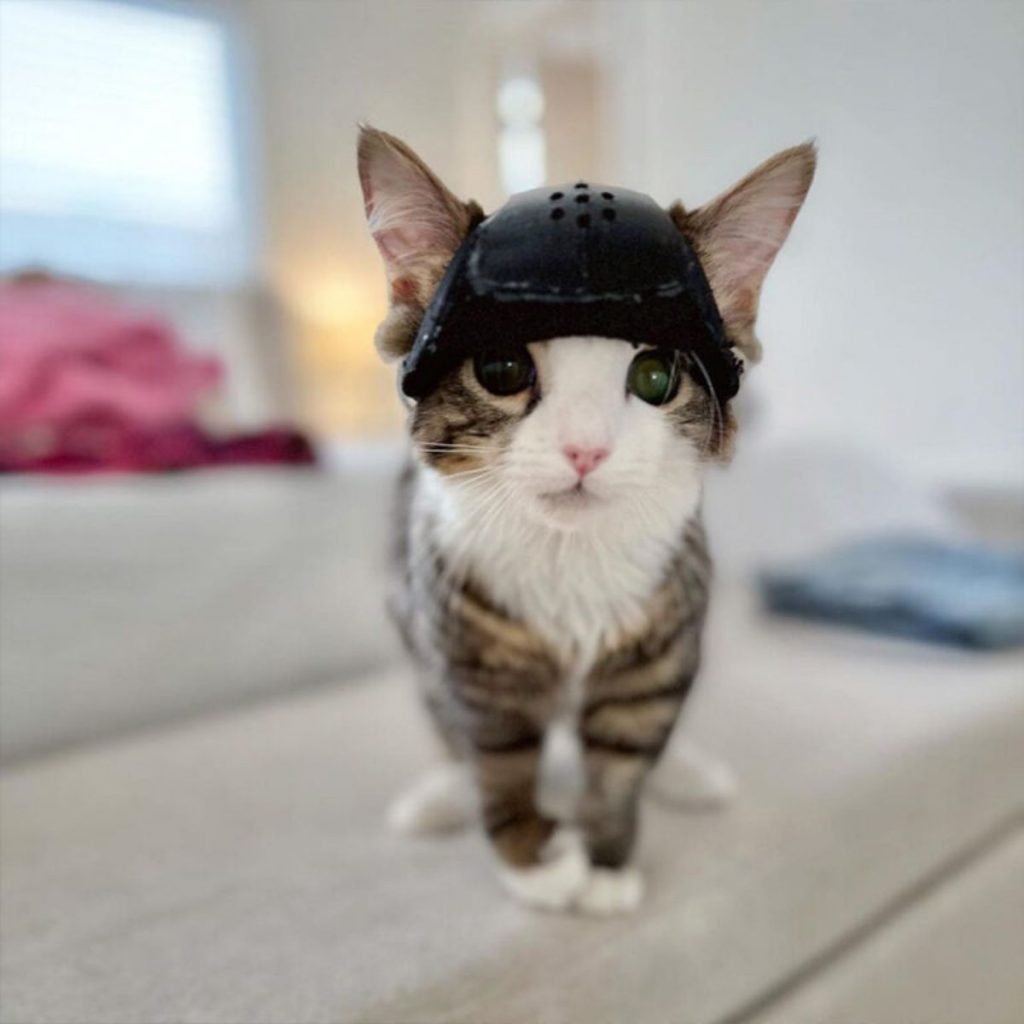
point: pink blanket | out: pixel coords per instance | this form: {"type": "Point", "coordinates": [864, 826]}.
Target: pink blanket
{"type": "Point", "coordinates": [86, 385]}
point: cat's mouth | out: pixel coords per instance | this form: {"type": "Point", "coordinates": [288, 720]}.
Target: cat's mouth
{"type": "Point", "coordinates": [569, 499]}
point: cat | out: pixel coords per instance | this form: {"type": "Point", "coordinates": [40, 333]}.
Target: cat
{"type": "Point", "coordinates": [554, 568]}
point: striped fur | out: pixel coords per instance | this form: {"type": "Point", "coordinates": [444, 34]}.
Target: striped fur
{"type": "Point", "coordinates": [494, 686]}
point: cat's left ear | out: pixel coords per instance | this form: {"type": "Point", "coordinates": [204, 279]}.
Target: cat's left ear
{"type": "Point", "coordinates": [417, 224]}
{"type": "Point", "coordinates": [738, 235]}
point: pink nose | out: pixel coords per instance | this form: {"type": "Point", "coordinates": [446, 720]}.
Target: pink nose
{"type": "Point", "coordinates": [585, 460]}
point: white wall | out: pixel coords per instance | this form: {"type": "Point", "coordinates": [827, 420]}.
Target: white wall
{"type": "Point", "coordinates": [895, 317]}
{"type": "Point", "coordinates": [320, 67]}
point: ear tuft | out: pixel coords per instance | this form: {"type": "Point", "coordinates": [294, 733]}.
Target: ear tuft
{"type": "Point", "coordinates": [739, 234]}
{"type": "Point", "coordinates": [417, 224]}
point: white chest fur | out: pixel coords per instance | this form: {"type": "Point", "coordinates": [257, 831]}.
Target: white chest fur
{"type": "Point", "coordinates": [578, 589]}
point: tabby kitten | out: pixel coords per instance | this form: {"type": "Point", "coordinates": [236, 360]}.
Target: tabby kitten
{"type": "Point", "coordinates": [554, 567]}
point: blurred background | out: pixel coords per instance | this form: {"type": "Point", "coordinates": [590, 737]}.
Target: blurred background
{"type": "Point", "coordinates": [198, 443]}
{"type": "Point", "coordinates": [199, 158]}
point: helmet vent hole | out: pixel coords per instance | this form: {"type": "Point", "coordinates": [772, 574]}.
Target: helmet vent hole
{"type": "Point", "coordinates": [607, 195]}
{"type": "Point", "coordinates": [583, 220]}
{"type": "Point", "coordinates": [581, 184]}
{"type": "Point", "coordinates": [583, 197]}
{"type": "Point", "coordinates": [557, 213]}
{"type": "Point", "coordinates": [556, 196]}
{"type": "Point", "coordinates": [608, 213]}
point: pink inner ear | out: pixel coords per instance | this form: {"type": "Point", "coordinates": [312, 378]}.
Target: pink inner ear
{"type": "Point", "coordinates": [749, 241]}
{"type": "Point", "coordinates": [412, 217]}
{"type": "Point", "coordinates": [400, 245]}
{"type": "Point", "coordinates": [416, 240]}
{"type": "Point", "coordinates": [750, 258]}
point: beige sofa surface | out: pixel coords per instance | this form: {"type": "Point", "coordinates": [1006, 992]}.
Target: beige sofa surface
{"type": "Point", "coordinates": [953, 954]}
{"type": "Point", "coordinates": [237, 868]}
{"type": "Point", "coordinates": [130, 601]}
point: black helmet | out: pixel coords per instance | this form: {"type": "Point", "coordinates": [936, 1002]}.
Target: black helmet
{"type": "Point", "coordinates": [568, 261]}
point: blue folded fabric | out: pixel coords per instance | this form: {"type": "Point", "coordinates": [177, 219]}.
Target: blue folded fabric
{"type": "Point", "coordinates": [960, 594]}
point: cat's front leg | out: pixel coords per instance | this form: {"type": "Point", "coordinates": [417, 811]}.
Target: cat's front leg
{"type": "Point", "coordinates": [538, 864]}
{"type": "Point", "coordinates": [623, 736]}
{"type": "Point", "coordinates": [608, 819]}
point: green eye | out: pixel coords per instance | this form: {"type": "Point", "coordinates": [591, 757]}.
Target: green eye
{"type": "Point", "coordinates": [654, 376]}
{"type": "Point", "coordinates": [504, 371]}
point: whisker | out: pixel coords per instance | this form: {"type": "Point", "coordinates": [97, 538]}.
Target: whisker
{"type": "Point", "coordinates": [718, 416]}
{"type": "Point", "coordinates": [441, 446]}
{"type": "Point", "coordinates": [477, 473]}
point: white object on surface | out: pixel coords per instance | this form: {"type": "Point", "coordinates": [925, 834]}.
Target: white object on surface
{"type": "Point", "coordinates": [441, 801]}
{"type": "Point", "coordinates": [691, 780]}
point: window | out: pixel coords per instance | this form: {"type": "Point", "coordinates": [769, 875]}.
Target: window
{"type": "Point", "coordinates": [521, 147]}
{"type": "Point", "coordinates": [118, 144]}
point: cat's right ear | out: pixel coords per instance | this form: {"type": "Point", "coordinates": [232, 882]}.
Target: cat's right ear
{"type": "Point", "coordinates": [739, 234]}
{"type": "Point", "coordinates": [417, 224]}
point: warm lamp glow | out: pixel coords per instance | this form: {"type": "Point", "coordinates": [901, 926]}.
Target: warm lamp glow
{"type": "Point", "coordinates": [349, 390]}
{"type": "Point", "coordinates": [335, 300]}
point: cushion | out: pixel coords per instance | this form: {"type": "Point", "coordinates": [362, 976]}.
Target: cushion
{"type": "Point", "coordinates": [131, 601]}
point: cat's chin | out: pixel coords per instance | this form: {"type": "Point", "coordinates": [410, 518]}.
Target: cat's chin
{"type": "Point", "coordinates": [570, 508]}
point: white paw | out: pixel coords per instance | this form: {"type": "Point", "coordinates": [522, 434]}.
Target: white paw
{"type": "Point", "coordinates": [442, 801]}
{"type": "Point", "coordinates": [691, 780]}
{"type": "Point", "coordinates": [557, 881]}
{"type": "Point", "coordinates": [610, 891]}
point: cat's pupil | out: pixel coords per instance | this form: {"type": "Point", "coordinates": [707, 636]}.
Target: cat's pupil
{"type": "Point", "coordinates": [653, 377]}
{"type": "Point", "coordinates": [504, 372]}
